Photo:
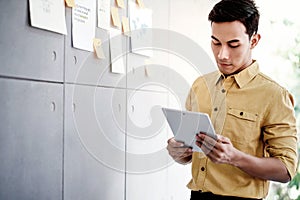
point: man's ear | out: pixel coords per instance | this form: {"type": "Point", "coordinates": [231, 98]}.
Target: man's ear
{"type": "Point", "coordinates": [254, 40]}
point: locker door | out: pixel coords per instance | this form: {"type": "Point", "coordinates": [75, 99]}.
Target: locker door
{"type": "Point", "coordinates": [26, 51]}
{"type": "Point", "coordinates": [147, 157]}
{"type": "Point", "coordinates": [94, 143]}
{"type": "Point", "coordinates": [31, 135]}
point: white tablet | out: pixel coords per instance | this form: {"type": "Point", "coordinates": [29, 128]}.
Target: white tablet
{"type": "Point", "coordinates": [186, 124]}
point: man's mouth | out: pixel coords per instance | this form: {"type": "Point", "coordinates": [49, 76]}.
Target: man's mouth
{"type": "Point", "coordinates": [224, 64]}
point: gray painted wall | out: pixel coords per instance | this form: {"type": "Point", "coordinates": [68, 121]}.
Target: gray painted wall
{"type": "Point", "coordinates": [69, 137]}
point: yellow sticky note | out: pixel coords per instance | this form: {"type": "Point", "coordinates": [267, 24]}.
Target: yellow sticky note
{"type": "Point", "coordinates": [98, 48]}
{"type": "Point", "coordinates": [140, 3]}
{"type": "Point", "coordinates": [70, 3]}
{"type": "Point", "coordinates": [120, 3]}
{"type": "Point", "coordinates": [125, 26]}
{"type": "Point", "coordinates": [115, 17]}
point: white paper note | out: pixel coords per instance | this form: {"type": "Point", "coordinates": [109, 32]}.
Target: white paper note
{"type": "Point", "coordinates": [48, 15]}
{"type": "Point", "coordinates": [84, 24]}
{"type": "Point", "coordinates": [116, 54]}
{"type": "Point", "coordinates": [141, 21]}
{"type": "Point", "coordinates": [104, 14]}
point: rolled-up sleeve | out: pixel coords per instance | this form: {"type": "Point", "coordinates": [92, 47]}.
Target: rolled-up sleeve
{"type": "Point", "coordinates": [280, 132]}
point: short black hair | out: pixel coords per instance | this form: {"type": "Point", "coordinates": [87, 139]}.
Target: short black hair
{"type": "Point", "coordinates": [244, 11]}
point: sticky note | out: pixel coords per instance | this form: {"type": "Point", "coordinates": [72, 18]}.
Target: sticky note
{"type": "Point", "coordinates": [140, 3]}
{"type": "Point", "coordinates": [125, 26]}
{"type": "Point", "coordinates": [120, 3]}
{"type": "Point", "coordinates": [115, 17]}
{"type": "Point", "coordinates": [70, 3]}
{"type": "Point", "coordinates": [98, 48]}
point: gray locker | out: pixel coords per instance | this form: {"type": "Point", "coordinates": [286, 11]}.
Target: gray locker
{"type": "Point", "coordinates": [31, 135]}
{"type": "Point", "coordinates": [26, 51]}
{"type": "Point", "coordinates": [147, 159]}
{"type": "Point", "coordinates": [94, 143]}
{"type": "Point", "coordinates": [93, 134]}
{"type": "Point", "coordinates": [82, 67]}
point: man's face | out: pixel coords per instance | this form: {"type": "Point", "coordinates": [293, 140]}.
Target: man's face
{"type": "Point", "coordinates": [231, 46]}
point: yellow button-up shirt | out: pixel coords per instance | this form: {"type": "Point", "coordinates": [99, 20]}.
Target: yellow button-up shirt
{"type": "Point", "coordinates": [257, 115]}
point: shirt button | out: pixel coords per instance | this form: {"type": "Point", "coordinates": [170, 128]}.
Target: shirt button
{"type": "Point", "coordinates": [215, 109]}
{"type": "Point", "coordinates": [202, 168]}
{"type": "Point", "coordinates": [223, 90]}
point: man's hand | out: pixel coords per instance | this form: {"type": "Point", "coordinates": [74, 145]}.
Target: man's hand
{"type": "Point", "coordinates": [222, 151]}
{"type": "Point", "coordinates": [219, 151]}
{"type": "Point", "coordinates": [178, 152]}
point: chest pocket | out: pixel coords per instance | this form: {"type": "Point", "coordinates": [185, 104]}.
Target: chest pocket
{"type": "Point", "coordinates": [242, 126]}
{"type": "Point", "coordinates": [243, 115]}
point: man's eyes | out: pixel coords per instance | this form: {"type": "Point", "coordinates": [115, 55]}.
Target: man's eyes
{"type": "Point", "coordinates": [230, 45]}
{"type": "Point", "coordinates": [216, 43]}
{"type": "Point", "coordinates": [233, 46]}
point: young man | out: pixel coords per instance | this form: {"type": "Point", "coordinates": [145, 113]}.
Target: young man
{"type": "Point", "coordinates": [252, 114]}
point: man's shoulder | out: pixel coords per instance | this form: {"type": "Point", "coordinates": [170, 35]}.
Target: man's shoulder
{"type": "Point", "coordinates": [271, 88]}
{"type": "Point", "coordinates": [267, 81]}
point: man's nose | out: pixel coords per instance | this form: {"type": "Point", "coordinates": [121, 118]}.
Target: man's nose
{"type": "Point", "coordinates": [223, 53]}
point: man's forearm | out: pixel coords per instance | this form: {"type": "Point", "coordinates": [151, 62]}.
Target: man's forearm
{"type": "Point", "coordinates": [263, 168]}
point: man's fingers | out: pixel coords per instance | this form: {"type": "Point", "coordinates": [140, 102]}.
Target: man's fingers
{"type": "Point", "coordinates": [207, 148]}
{"type": "Point", "coordinates": [180, 151]}
{"type": "Point", "coordinates": [223, 139]}
{"type": "Point", "coordinates": [172, 142]}
{"type": "Point", "coordinates": [206, 143]}
{"type": "Point", "coordinates": [204, 139]}
{"type": "Point", "coordinates": [177, 150]}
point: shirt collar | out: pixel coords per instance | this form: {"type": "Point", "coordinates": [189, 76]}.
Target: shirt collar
{"type": "Point", "coordinates": [243, 77]}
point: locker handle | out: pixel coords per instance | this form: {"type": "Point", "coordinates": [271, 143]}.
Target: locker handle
{"type": "Point", "coordinates": [52, 106]}
{"type": "Point", "coordinates": [54, 55]}
{"type": "Point", "coordinates": [75, 60]}
{"type": "Point", "coordinates": [119, 106]}
{"type": "Point", "coordinates": [73, 107]}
